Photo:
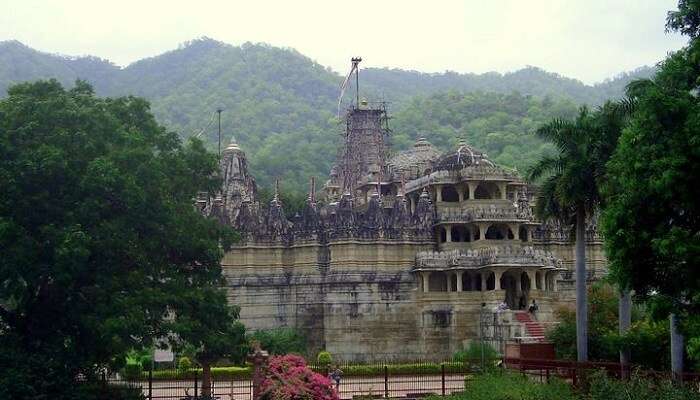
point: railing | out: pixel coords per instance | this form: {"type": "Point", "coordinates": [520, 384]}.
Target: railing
{"type": "Point", "coordinates": [378, 380]}
{"type": "Point", "coordinates": [485, 214]}
{"type": "Point", "coordinates": [574, 372]}
{"type": "Point", "coordinates": [477, 258]}
{"type": "Point", "coordinates": [382, 379]}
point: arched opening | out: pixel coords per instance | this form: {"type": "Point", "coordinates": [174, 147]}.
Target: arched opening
{"type": "Point", "coordinates": [522, 232]}
{"type": "Point", "coordinates": [508, 284]}
{"type": "Point", "coordinates": [460, 233]}
{"type": "Point", "coordinates": [456, 234]}
{"type": "Point", "coordinates": [475, 232]}
{"type": "Point", "coordinates": [466, 282]}
{"type": "Point", "coordinates": [525, 286]}
{"type": "Point", "coordinates": [449, 194]}
{"type": "Point", "coordinates": [491, 281]}
{"type": "Point", "coordinates": [487, 190]}
{"type": "Point", "coordinates": [437, 282]}
{"type": "Point", "coordinates": [499, 232]}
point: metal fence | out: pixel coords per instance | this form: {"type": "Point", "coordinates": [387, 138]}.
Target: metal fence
{"type": "Point", "coordinates": [408, 380]}
{"type": "Point", "coordinates": [376, 380]}
{"type": "Point", "coordinates": [575, 372]}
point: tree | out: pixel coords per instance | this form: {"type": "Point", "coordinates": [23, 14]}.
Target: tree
{"type": "Point", "coordinates": [207, 324]}
{"type": "Point", "coordinates": [100, 238]}
{"type": "Point", "coordinates": [652, 220]}
{"type": "Point", "coordinates": [571, 179]}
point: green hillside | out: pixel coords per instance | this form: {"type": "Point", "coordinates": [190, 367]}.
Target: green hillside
{"type": "Point", "coordinates": [281, 106]}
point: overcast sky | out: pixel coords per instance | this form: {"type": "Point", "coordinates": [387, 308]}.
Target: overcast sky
{"type": "Point", "coordinates": [585, 39]}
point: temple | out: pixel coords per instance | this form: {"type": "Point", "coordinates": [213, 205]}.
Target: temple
{"type": "Point", "coordinates": [397, 256]}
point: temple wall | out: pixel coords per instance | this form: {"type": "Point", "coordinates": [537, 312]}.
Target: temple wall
{"type": "Point", "coordinates": [365, 304]}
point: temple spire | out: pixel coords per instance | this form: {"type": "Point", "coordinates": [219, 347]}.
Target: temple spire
{"type": "Point", "coordinates": [312, 190]}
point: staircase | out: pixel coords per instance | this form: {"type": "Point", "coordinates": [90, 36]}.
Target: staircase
{"type": "Point", "coordinates": [533, 328]}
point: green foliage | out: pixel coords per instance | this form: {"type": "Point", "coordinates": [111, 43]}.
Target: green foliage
{"type": "Point", "coordinates": [132, 370]}
{"type": "Point", "coordinates": [216, 372]}
{"type": "Point", "coordinates": [473, 353]}
{"type": "Point", "coordinates": [324, 358]}
{"type": "Point", "coordinates": [601, 387]}
{"type": "Point", "coordinates": [184, 364]}
{"type": "Point", "coordinates": [398, 369]}
{"type": "Point", "coordinates": [510, 386]}
{"type": "Point", "coordinates": [502, 125]}
{"type": "Point", "coordinates": [647, 339]}
{"type": "Point", "coordinates": [280, 341]}
{"type": "Point", "coordinates": [100, 240]}
{"type": "Point", "coordinates": [651, 222]}
{"type": "Point", "coordinates": [281, 106]}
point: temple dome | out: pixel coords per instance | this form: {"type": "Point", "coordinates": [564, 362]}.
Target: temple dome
{"type": "Point", "coordinates": [420, 156]}
{"type": "Point", "coordinates": [464, 156]}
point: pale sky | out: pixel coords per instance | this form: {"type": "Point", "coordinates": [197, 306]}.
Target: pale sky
{"type": "Point", "coordinates": [585, 39]}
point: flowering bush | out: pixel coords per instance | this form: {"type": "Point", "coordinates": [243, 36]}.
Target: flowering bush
{"type": "Point", "coordinates": [289, 378]}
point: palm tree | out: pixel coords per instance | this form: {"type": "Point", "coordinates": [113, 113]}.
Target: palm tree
{"type": "Point", "coordinates": [569, 191]}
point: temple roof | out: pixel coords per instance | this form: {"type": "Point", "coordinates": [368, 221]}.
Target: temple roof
{"type": "Point", "coordinates": [422, 153]}
{"type": "Point", "coordinates": [464, 156]}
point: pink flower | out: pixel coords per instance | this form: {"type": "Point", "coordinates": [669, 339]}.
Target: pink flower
{"type": "Point", "coordinates": [289, 378]}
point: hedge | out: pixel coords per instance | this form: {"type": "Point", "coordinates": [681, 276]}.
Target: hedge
{"type": "Point", "coordinates": [431, 368]}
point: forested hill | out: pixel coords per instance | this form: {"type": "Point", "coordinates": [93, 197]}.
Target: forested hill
{"type": "Point", "coordinates": [281, 105]}
{"type": "Point", "coordinates": [399, 84]}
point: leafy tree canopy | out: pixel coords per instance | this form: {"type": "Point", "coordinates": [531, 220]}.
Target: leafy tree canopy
{"type": "Point", "coordinates": [652, 221]}
{"type": "Point", "coordinates": [103, 250]}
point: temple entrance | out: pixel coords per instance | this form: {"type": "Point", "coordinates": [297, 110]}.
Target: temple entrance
{"type": "Point", "coordinates": [508, 284]}
{"type": "Point", "coordinates": [517, 287]}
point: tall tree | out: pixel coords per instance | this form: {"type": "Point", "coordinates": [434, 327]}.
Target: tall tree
{"type": "Point", "coordinates": [652, 221]}
{"type": "Point", "coordinates": [99, 234]}
{"type": "Point", "coordinates": [570, 181]}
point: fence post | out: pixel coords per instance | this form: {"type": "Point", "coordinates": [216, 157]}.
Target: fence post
{"type": "Point", "coordinates": [442, 369]}
{"type": "Point", "coordinates": [150, 384]}
{"type": "Point", "coordinates": [195, 384]}
{"type": "Point", "coordinates": [547, 375]}
{"type": "Point", "coordinates": [386, 382]}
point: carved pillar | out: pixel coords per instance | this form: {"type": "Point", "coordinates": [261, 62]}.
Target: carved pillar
{"type": "Point", "coordinates": [531, 275]}
{"type": "Point", "coordinates": [518, 284]}
{"type": "Point", "coordinates": [472, 188]}
{"type": "Point", "coordinates": [502, 187]}
{"type": "Point", "coordinates": [497, 274]}
{"type": "Point", "coordinates": [438, 193]}
{"type": "Point", "coordinates": [460, 192]}
{"type": "Point", "coordinates": [483, 281]}
{"type": "Point", "coordinates": [516, 231]}
{"type": "Point", "coordinates": [554, 281]}
{"type": "Point", "coordinates": [459, 281]}
{"type": "Point", "coordinates": [482, 230]}
{"type": "Point", "coordinates": [448, 233]}
{"type": "Point", "coordinates": [426, 281]}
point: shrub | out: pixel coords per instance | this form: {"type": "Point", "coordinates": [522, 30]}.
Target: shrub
{"type": "Point", "coordinates": [184, 364]}
{"type": "Point", "coordinates": [146, 362]}
{"type": "Point", "coordinates": [216, 372]}
{"type": "Point", "coordinates": [601, 387]}
{"type": "Point", "coordinates": [324, 358]}
{"type": "Point", "coordinates": [280, 341]}
{"type": "Point", "coordinates": [289, 378]}
{"type": "Point", "coordinates": [132, 370]}
{"type": "Point", "coordinates": [472, 354]}
{"type": "Point", "coordinates": [509, 386]}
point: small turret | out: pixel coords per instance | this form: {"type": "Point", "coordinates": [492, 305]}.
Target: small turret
{"type": "Point", "coordinates": [237, 181]}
